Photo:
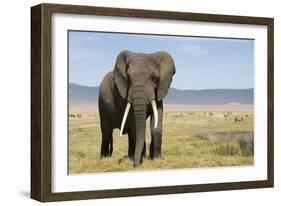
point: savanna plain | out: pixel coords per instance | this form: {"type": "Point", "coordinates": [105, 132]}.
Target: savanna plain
{"type": "Point", "coordinates": [193, 137]}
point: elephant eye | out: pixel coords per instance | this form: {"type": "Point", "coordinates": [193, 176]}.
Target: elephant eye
{"type": "Point", "coordinates": [154, 79]}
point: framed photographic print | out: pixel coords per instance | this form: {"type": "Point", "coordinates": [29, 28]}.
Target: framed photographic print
{"type": "Point", "coordinates": [129, 102]}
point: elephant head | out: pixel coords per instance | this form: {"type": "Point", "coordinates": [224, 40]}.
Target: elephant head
{"type": "Point", "coordinates": [142, 79]}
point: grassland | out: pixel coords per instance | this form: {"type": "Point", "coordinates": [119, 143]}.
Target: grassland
{"type": "Point", "coordinates": [183, 143]}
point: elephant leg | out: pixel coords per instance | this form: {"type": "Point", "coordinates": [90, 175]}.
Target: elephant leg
{"type": "Point", "coordinates": [156, 133]}
{"type": "Point", "coordinates": [106, 131]}
{"type": "Point", "coordinates": [106, 145]}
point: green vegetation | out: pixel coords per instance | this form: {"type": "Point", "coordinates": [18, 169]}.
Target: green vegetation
{"type": "Point", "coordinates": [184, 145]}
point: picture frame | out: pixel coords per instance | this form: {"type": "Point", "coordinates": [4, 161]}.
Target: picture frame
{"type": "Point", "coordinates": [41, 100]}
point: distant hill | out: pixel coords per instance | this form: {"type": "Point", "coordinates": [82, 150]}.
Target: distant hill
{"type": "Point", "coordinates": [78, 94]}
{"type": "Point", "coordinates": [210, 96]}
{"type": "Point", "coordinates": [89, 95]}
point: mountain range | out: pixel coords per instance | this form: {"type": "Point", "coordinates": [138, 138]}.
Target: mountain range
{"type": "Point", "coordinates": [79, 94]}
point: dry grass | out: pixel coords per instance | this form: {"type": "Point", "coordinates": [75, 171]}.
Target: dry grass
{"type": "Point", "coordinates": [180, 148]}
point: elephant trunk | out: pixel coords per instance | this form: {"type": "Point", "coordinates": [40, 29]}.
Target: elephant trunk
{"type": "Point", "coordinates": [139, 107]}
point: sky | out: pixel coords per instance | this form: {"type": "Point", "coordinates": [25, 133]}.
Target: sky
{"type": "Point", "coordinates": [201, 63]}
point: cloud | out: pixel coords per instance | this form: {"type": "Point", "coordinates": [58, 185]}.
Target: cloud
{"type": "Point", "coordinates": [188, 39]}
{"type": "Point", "coordinates": [195, 50]}
{"type": "Point", "coordinates": [79, 54]}
{"type": "Point", "coordinates": [84, 36]}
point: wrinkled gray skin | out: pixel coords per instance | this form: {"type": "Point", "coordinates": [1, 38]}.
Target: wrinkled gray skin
{"type": "Point", "coordinates": [138, 79]}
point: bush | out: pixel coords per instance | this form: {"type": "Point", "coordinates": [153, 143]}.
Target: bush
{"type": "Point", "coordinates": [227, 149]}
{"type": "Point", "coordinates": [247, 148]}
{"type": "Point", "coordinates": [241, 147]}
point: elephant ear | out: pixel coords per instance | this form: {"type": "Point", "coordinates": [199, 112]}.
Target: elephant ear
{"type": "Point", "coordinates": [120, 73]}
{"type": "Point", "coordinates": [167, 70]}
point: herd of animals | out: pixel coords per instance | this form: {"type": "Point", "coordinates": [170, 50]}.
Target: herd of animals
{"type": "Point", "coordinates": [236, 118]}
{"type": "Point", "coordinates": [75, 115]}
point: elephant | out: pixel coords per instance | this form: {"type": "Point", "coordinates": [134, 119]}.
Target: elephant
{"type": "Point", "coordinates": [131, 93]}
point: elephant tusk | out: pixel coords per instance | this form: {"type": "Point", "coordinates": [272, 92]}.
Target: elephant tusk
{"type": "Point", "coordinates": [155, 113]}
{"type": "Point", "coordinates": [126, 112]}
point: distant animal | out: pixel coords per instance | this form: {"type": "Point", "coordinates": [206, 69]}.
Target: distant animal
{"type": "Point", "coordinates": [238, 119]}
{"type": "Point", "coordinates": [79, 115]}
{"type": "Point", "coordinates": [226, 114]}
{"type": "Point", "coordinates": [72, 115]}
{"type": "Point", "coordinates": [134, 91]}
{"type": "Point", "coordinates": [211, 113]}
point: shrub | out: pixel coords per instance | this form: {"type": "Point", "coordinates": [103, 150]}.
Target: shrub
{"type": "Point", "coordinates": [227, 149]}
{"type": "Point", "coordinates": [247, 148]}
